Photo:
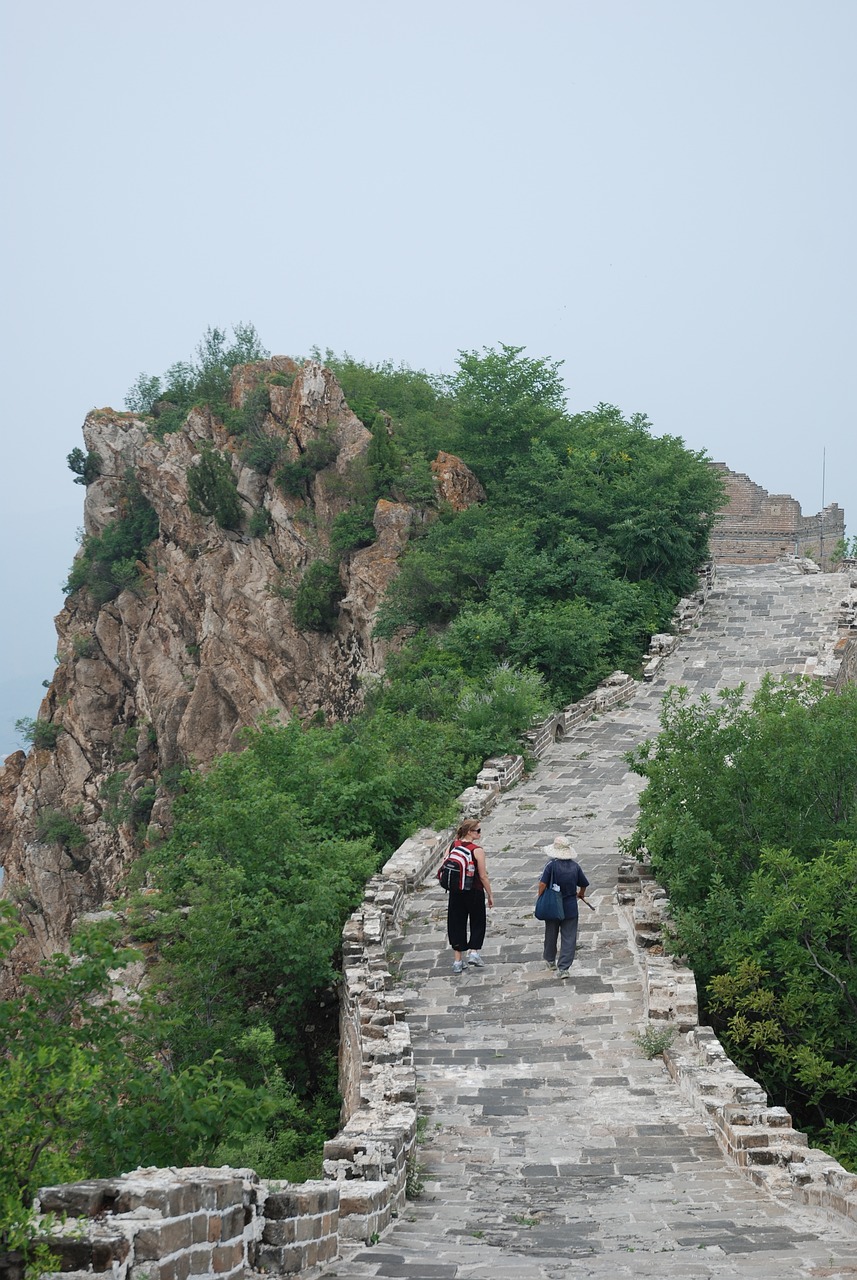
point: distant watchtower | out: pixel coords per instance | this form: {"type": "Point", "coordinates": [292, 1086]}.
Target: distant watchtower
{"type": "Point", "coordinates": [757, 527]}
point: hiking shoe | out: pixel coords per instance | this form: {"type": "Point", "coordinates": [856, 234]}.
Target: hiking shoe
{"type": "Point", "coordinates": [458, 966]}
{"type": "Point", "coordinates": [562, 973]}
{"type": "Point", "coordinates": [550, 964]}
{"type": "Point", "coordinates": [475, 958]}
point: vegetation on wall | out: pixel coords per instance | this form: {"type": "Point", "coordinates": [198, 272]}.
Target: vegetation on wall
{"type": "Point", "coordinates": [750, 819]}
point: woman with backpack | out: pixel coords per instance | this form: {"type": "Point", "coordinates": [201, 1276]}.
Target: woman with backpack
{"type": "Point", "coordinates": [465, 912]}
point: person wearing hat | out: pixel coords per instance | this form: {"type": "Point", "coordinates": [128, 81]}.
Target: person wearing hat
{"type": "Point", "coordinates": [564, 870]}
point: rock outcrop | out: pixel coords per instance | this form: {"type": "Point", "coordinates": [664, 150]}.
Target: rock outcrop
{"type": "Point", "coordinates": [202, 644]}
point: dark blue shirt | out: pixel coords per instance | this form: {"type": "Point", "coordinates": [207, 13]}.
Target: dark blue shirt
{"type": "Point", "coordinates": [568, 875]}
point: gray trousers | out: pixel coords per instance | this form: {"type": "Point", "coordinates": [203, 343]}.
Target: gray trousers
{"type": "Point", "coordinates": [566, 932]}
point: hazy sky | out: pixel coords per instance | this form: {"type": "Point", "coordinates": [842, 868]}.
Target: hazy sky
{"type": "Point", "coordinates": [658, 192]}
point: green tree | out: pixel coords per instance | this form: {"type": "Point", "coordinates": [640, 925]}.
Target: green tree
{"type": "Point", "coordinates": [420, 405]}
{"type": "Point", "coordinates": [505, 401]}
{"type": "Point", "coordinates": [786, 999]}
{"type": "Point", "coordinates": [316, 604]}
{"type": "Point", "coordinates": [212, 489]}
{"type": "Point", "coordinates": [203, 380]}
{"type": "Point", "coordinates": [82, 1090]}
{"type": "Point", "coordinates": [383, 458]}
{"type": "Point", "coordinates": [42, 734]}
{"type": "Point", "coordinates": [142, 396]}
{"type": "Point", "coordinates": [86, 466]}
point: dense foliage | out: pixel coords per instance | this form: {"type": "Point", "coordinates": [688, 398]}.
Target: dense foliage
{"type": "Point", "coordinates": [750, 818]}
{"type": "Point", "coordinates": [592, 529]}
{"type": "Point", "coordinates": [83, 1078]}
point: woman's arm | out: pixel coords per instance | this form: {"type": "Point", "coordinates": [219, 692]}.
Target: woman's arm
{"type": "Point", "coordinates": [479, 859]}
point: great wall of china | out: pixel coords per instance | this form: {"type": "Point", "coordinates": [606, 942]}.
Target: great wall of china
{"type": "Point", "coordinates": [520, 1109]}
{"type": "Point", "coordinates": [498, 1126]}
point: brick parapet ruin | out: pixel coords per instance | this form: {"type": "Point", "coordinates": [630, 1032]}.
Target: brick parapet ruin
{"type": "Point", "coordinates": [757, 527]}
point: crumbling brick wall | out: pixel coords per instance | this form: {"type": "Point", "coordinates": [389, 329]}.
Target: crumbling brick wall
{"type": "Point", "coordinates": [757, 527]}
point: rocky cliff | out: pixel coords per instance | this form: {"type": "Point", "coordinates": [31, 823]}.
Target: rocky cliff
{"type": "Point", "coordinates": [201, 643]}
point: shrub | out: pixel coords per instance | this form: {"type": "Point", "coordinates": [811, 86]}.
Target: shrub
{"type": "Point", "coordinates": [81, 1089]}
{"type": "Point", "coordinates": [203, 380]}
{"type": "Point", "coordinates": [316, 605]}
{"type": "Point", "coordinates": [39, 733]}
{"type": "Point", "coordinates": [250, 419]}
{"type": "Point", "coordinates": [653, 1041]}
{"type": "Point", "coordinates": [352, 529]}
{"type": "Point", "coordinates": [293, 477]}
{"type": "Point", "coordinates": [259, 523]}
{"type": "Point", "coordinates": [107, 563]}
{"type": "Point", "coordinates": [86, 466]}
{"type": "Point", "coordinates": [82, 645]}
{"type": "Point", "coordinates": [142, 394]}
{"type": "Point", "coordinates": [54, 827]}
{"type": "Point", "coordinates": [262, 453]}
{"type": "Point", "coordinates": [212, 490]}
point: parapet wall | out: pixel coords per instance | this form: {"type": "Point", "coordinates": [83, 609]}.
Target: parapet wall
{"type": "Point", "coordinates": [759, 1139]}
{"type": "Point", "coordinates": [757, 527]}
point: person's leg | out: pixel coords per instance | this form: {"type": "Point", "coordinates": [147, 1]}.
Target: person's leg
{"type": "Point", "coordinates": [568, 944]}
{"type": "Point", "coordinates": [456, 927]}
{"type": "Point", "coordinates": [551, 934]}
{"type": "Point", "coordinates": [478, 922]}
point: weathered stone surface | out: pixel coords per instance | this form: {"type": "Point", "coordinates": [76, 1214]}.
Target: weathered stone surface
{"type": "Point", "coordinates": [455, 482]}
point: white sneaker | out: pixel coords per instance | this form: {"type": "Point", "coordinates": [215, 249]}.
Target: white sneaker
{"type": "Point", "coordinates": [475, 958]}
{"type": "Point", "coordinates": [458, 966]}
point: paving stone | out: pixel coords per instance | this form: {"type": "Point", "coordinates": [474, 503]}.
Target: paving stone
{"type": "Point", "coordinates": [553, 1148]}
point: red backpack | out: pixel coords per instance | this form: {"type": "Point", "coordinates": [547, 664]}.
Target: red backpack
{"type": "Point", "coordinates": [458, 869]}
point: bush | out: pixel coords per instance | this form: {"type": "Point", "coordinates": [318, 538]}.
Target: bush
{"type": "Point", "coordinates": [82, 645]}
{"type": "Point", "coordinates": [205, 380]}
{"type": "Point", "coordinates": [352, 529]}
{"type": "Point", "coordinates": [259, 523]}
{"type": "Point", "coordinates": [143, 394]}
{"type": "Point", "coordinates": [293, 477]}
{"type": "Point", "coordinates": [654, 1041]}
{"type": "Point", "coordinates": [83, 1090]}
{"type": "Point", "coordinates": [107, 563]}
{"type": "Point", "coordinates": [54, 827]}
{"type": "Point", "coordinates": [39, 733]}
{"type": "Point", "coordinates": [86, 466]}
{"type": "Point", "coordinates": [316, 605]}
{"type": "Point", "coordinates": [262, 453]}
{"type": "Point", "coordinates": [212, 490]}
{"type": "Point", "coordinates": [250, 419]}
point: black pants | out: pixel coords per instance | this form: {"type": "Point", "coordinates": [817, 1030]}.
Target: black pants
{"type": "Point", "coordinates": [466, 910]}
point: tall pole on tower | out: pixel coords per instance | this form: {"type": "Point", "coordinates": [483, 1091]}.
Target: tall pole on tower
{"type": "Point", "coordinates": [821, 516]}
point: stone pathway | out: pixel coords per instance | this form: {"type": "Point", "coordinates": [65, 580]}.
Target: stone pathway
{"type": "Point", "coordinates": [552, 1147]}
